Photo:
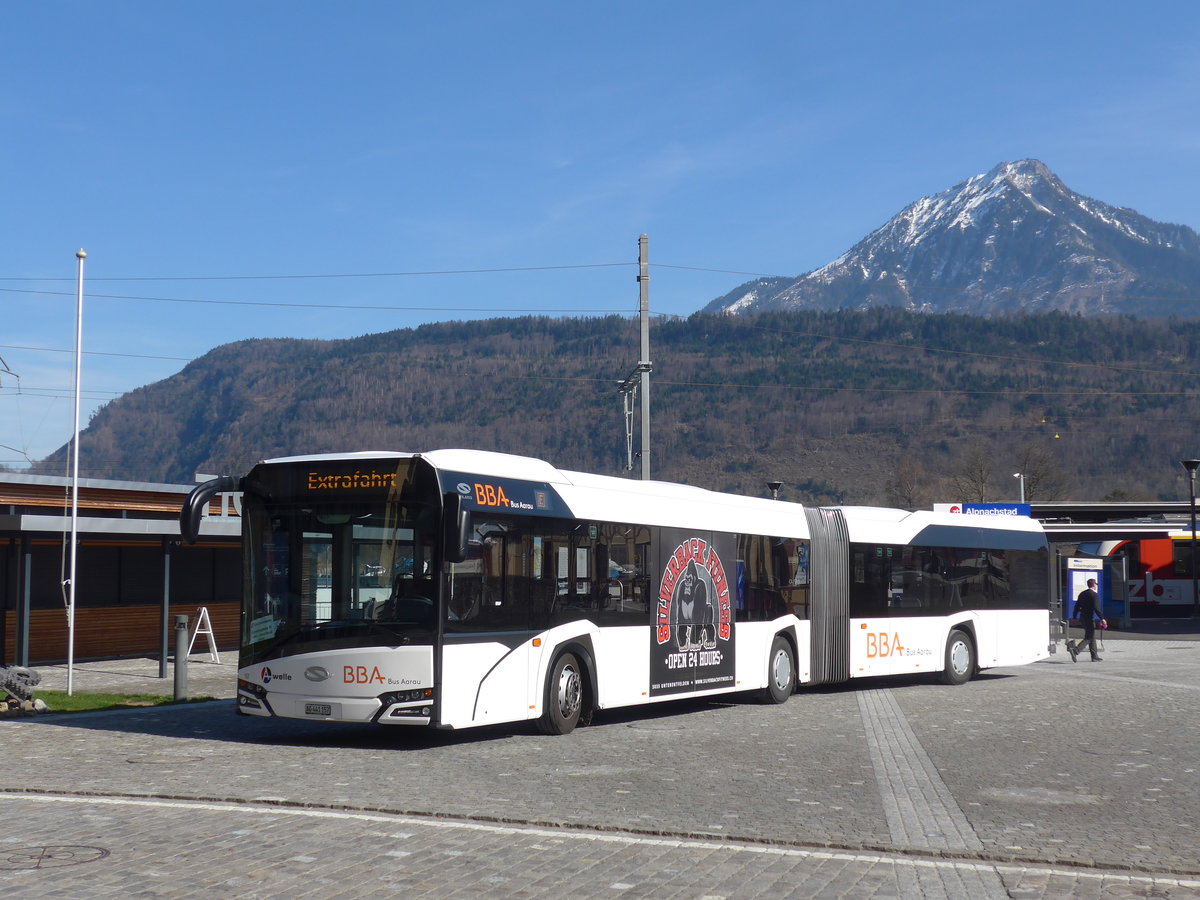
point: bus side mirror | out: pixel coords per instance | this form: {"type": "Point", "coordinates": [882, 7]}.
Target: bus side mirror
{"type": "Point", "coordinates": [197, 502]}
{"type": "Point", "coordinates": [456, 528]}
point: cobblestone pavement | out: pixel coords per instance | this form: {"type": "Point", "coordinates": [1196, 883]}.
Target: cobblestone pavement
{"type": "Point", "coordinates": [1052, 780]}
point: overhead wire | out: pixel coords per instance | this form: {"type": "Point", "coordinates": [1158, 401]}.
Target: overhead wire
{"type": "Point", "coordinates": [487, 271]}
{"type": "Point", "coordinates": [89, 393]}
{"type": "Point", "coordinates": [506, 269]}
{"type": "Point", "coordinates": [94, 353]}
{"type": "Point", "coordinates": [340, 306]}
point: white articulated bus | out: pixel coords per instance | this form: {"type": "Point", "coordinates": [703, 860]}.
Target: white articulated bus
{"type": "Point", "coordinates": [459, 588]}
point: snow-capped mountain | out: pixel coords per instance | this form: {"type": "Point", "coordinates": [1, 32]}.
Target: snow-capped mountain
{"type": "Point", "coordinates": [1014, 239]}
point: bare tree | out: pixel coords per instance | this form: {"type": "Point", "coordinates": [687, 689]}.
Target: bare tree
{"type": "Point", "coordinates": [972, 477]}
{"type": "Point", "coordinates": [1044, 479]}
{"type": "Point", "coordinates": [908, 488]}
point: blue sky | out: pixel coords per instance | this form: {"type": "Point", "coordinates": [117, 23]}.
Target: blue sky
{"type": "Point", "coordinates": [190, 142]}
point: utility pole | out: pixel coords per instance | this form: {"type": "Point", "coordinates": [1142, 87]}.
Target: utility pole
{"type": "Point", "coordinates": [1191, 465]}
{"type": "Point", "coordinates": [644, 364]}
{"type": "Point", "coordinates": [639, 379]}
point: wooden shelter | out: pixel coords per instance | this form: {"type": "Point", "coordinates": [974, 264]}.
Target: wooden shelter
{"type": "Point", "coordinates": [133, 574]}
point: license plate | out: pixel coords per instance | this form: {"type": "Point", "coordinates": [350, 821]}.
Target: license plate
{"type": "Point", "coordinates": [318, 709]}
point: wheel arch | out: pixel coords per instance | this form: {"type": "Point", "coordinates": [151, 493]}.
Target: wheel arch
{"type": "Point", "coordinates": [581, 647]}
{"type": "Point", "coordinates": [967, 627]}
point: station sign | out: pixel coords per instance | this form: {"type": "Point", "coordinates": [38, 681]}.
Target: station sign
{"type": "Point", "coordinates": [985, 509]}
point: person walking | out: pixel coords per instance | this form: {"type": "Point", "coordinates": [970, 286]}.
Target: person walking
{"type": "Point", "coordinates": [1087, 611]}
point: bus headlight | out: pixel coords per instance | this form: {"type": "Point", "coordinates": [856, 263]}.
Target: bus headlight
{"type": "Point", "coordinates": [250, 687]}
{"type": "Point", "coordinates": [416, 696]}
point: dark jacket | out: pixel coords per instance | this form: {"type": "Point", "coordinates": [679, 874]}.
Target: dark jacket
{"type": "Point", "coordinates": [1087, 607]}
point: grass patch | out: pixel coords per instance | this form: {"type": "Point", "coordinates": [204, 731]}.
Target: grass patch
{"type": "Point", "coordinates": [60, 701]}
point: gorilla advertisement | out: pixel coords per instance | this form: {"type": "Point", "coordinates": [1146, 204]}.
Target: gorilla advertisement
{"type": "Point", "coordinates": [691, 644]}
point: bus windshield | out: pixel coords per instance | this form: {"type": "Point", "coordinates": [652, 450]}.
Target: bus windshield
{"type": "Point", "coordinates": [333, 575]}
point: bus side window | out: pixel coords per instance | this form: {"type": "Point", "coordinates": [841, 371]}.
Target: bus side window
{"type": "Point", "coordinates": [771, 583]}
{"type": "Point", "coordinates": [870, 580]}
{"type": "Point", "coordinates": [618, 588]}
{"type": "Point", "coordinates": [795, 590]}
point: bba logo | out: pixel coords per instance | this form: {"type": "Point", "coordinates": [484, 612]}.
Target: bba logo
{"type": "Point", "coordinates": [881, 644]}
{"type": "Point", "coordinates": [362, 675]}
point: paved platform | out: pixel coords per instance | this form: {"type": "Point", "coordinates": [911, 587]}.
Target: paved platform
{"type": "Point", "coordinates": [1057, 779]}
{"type": "Point", "coordinates": [205, 677]}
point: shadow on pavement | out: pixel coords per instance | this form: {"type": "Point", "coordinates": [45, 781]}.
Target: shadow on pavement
{"type": "Point", "coordinates": [217, 720]}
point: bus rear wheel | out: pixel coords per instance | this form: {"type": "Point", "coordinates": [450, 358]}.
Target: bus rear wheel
{"type": "Point", "coordinates": [960, 658]}
{"type": "Point", "coordinates": [564, 696]}
{"type": "Point", "coordinates": [781, 671]}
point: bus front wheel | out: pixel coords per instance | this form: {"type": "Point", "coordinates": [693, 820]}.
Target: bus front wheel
{"type": "Point", "coordinates": [960, 658]}
{"type": "Point", "coordinates": [564, 696]}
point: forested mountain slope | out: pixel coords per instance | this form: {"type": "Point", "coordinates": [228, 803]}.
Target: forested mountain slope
{"type": "Point", "coordinates": [850, 407]}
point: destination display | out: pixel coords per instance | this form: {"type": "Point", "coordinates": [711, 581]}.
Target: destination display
{"type": "Point", "coordinates": [361, 480]}
{"type": "Point", "coordinates": [370, 479]}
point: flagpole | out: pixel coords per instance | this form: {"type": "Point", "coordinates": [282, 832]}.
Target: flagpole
{"type": "Point", "coordinates": [80, 256]}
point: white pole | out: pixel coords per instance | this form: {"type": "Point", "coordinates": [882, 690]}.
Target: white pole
{"type": "Point", "coordinates": [80, 256]}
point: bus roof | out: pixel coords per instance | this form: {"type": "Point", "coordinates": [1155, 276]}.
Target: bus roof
{"type": "Point", "coordinates": [614, 499]}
